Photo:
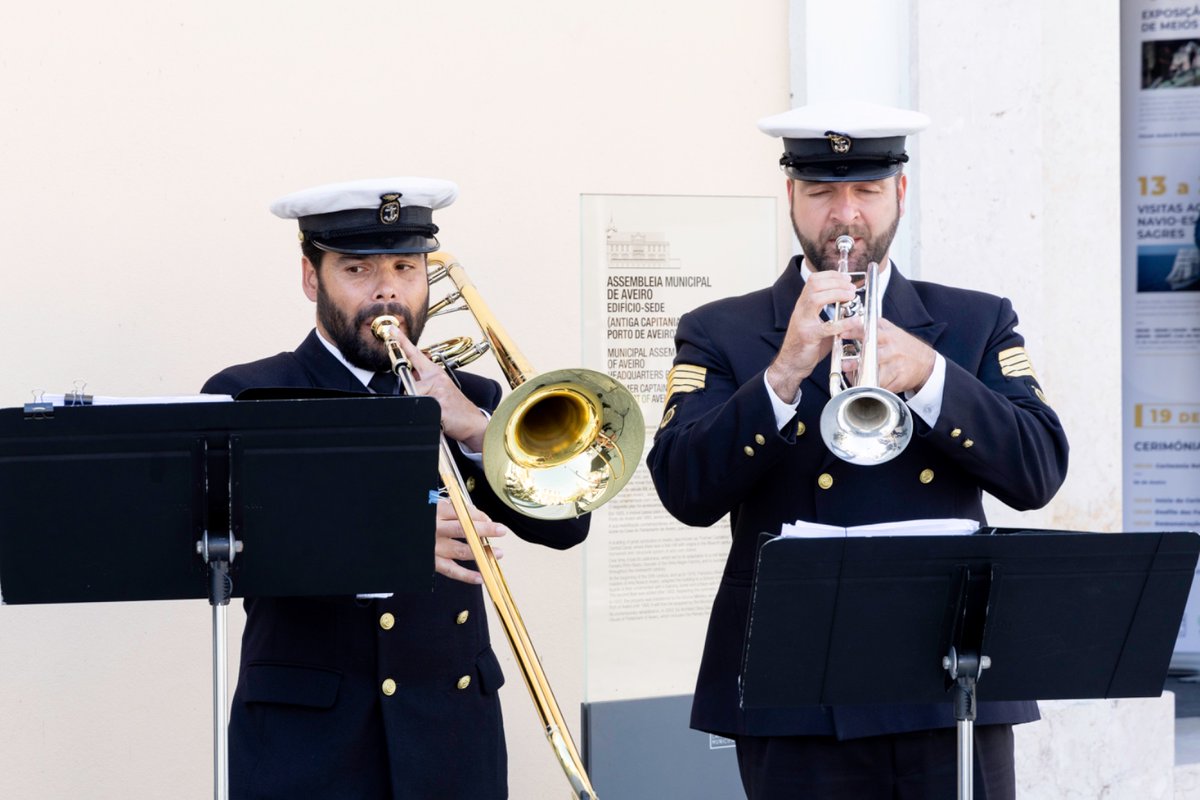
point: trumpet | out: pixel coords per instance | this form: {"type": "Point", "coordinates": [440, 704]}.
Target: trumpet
{"type": "Point", "coordinates": [559, 445]}
{"type": "Point", "coordinates": [862, 423]}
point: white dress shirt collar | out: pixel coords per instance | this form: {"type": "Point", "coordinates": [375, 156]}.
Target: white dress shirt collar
{"type": "Point", "coordinates": [364, 375]}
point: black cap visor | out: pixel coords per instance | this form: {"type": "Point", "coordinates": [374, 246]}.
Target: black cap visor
{"type": "Point", "coordinates": [377, 244]}
{"type": "Point", "coordinates": [845, 171]}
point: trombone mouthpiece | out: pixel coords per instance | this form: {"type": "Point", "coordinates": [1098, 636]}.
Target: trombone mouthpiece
{"type": "Point", "coordinates": [844, 243]}
{"type": "Point", "coordinates": [379, 325]}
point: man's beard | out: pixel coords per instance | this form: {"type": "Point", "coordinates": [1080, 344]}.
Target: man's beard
{"type": "Point", "coordinates": [822, 254]}
{"type": "Point", "coordinates": [365, 350]}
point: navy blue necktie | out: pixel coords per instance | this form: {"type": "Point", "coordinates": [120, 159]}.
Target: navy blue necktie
{"type": "Point", "coordinates": [384, 383]}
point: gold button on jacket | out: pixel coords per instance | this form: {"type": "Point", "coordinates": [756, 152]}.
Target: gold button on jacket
{"type": "Point", "coordinates": [926, 476]}
{"type": "Point", "coordinates": [387, 621]}
{"type": "Point", "coordinates": [464, 682]}
{"type": "Point", "coordinates": [825, 480]}
{"type": "Point", "coordinates": [462, 617]}
{"type": "Point", "coordinates": [748, 450]}
{"type": "Point", "coordinates": [389, 687]}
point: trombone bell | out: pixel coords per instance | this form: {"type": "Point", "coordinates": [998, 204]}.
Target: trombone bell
{"type": "Point", "coordinates": [552, 425]}
{"type": "Point", "coordinates": [563, 443]}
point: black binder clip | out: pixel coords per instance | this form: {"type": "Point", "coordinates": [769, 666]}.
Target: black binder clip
{"type": "Point", "coordinates": [40, 408]}
{"type": "Point", "coordinates": [76, 397]}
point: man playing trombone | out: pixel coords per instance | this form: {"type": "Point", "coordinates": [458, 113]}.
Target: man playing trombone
{"type": "Point", "coordinates": [741, 436]}
{"type": "Point", "coordinates": [377, 697]}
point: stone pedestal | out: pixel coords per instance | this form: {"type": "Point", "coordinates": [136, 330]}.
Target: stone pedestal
{"type": "Point", "coordinates": [1112, 749]}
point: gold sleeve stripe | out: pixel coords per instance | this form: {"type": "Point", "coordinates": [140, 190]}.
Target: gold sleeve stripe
{"type": "Point", "coordinates": [1015, 363]}
{"type": "Point", "coordinates": [685, 378]}
{"type": "Point", "coordinates": [689, 370]}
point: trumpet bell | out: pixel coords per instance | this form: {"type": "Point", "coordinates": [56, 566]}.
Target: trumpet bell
{"type": "Point", "coordinates": [866, 425]}
{"type": "Point", "coordinates": [559, 445]}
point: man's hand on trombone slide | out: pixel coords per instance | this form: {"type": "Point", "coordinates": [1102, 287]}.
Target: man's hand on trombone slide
{"type": "Point", "coordinates": [449, 547]}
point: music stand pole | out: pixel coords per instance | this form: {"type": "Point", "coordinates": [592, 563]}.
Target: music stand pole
{"type": "Point", "coordinates": [965, 669]}
{"type": "Point", "coordinates": [218, 552]}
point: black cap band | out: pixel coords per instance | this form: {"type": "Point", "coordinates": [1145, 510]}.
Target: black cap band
{"type": "Point", "coordinates": [838, 157]}
{"type": "Point", "coordinates": [360, 231]}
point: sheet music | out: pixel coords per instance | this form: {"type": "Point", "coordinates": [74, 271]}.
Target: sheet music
{"type": "Point", "coordinates": [78, 399]}
{"type": "Point", "coordinates": [811, 530]}
{"type": "Point", "coordinates": [910, 527]}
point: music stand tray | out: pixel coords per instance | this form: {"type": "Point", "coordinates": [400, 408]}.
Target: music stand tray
{"type": "Point", "coordinates": [1006, 614]}
{"type": "Point", "coordinates": [332, 496]}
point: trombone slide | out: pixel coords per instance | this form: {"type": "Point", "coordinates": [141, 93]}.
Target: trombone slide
{"type": "Point", "coordinates": [553, 725]}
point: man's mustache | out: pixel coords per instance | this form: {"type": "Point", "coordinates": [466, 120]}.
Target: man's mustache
{"type": "Point", "coordinates": [368, 315]}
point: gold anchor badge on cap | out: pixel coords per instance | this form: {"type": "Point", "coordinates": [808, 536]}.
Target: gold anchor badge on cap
{"type": "Point", "coordinates": [389, 210]}
{"type": "Point", "coordinates": [839, 143]}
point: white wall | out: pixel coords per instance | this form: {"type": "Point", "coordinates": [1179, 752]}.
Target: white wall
{"type": "Point", "coordinates": [1020, 175]}
{"type": "Point", "coordinates": [140, 144]}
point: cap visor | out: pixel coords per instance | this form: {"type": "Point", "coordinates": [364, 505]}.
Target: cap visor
{"type": "Point", "coordinates": [833, 173]}
{"type": "Point", "coordinates": [378, 245]}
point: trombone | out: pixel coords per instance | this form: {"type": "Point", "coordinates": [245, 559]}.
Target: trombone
{"type": "Point", "coordinates": [862, 423]}
{"type": "Point", "coordinates": [559, 445]}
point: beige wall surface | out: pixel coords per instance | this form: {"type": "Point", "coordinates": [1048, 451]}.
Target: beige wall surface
{"type": "Point", "coordinates": [140, 144]}
{"type": "Point", "coordinates": [1020, 196]}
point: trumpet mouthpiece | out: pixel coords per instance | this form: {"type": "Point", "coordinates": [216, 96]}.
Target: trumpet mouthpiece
{"type": "Point", "coordinates": [844, 243]}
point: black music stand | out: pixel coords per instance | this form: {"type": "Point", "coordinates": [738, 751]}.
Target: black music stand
{"type": "Point", "coordinates": [194, 500]}
{"type": "Point", "coordinates": [1006, 614]}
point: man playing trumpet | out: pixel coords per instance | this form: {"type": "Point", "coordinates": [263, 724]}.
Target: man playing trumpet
{"type": "Point", "coordinates": [739, 436]}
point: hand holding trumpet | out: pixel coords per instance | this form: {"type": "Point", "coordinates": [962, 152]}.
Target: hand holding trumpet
{"type": "Point", "coordinates": [904, 361]}
{"type": "Point", "coordinates": [809, 338]}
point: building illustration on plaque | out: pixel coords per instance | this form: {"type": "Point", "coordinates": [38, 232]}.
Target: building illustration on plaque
{"type": "Point", "coordinates": [637, 249]}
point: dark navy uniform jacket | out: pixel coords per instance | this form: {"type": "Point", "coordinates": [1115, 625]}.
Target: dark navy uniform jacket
{"type": "Point", "coordinates": [718, 451]}
{"type": "Point", "coordinates": [310, 717]}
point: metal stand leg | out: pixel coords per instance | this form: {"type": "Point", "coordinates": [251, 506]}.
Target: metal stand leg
{"type": "Point", "coordinates": [220, 699]}
{"type": "Point", "coordinates": [964, 669]}
{"type": "Point", "coordinates": [218, 552]}
{"type": "Point", "coordinates": [966, 759]}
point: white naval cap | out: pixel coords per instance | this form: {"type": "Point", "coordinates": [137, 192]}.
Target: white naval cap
{"type": "Point", "coordinates": [843, 141]}
{"type": "Point", "coordinates": [378, 215]}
